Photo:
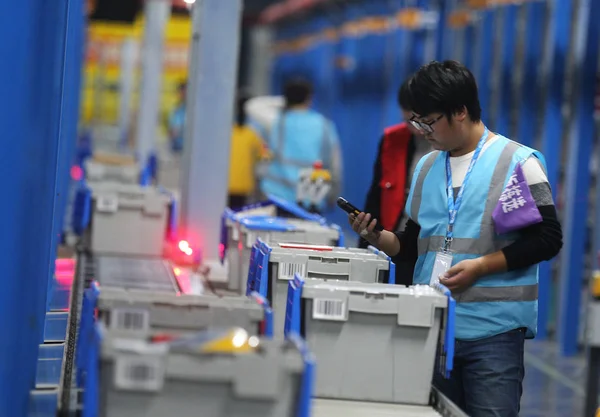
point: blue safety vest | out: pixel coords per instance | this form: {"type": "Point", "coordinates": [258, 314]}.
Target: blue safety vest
{"type": "Point", "coordinates": [496, 303]}
{"type": "Point", "coordinates": [297, 140]}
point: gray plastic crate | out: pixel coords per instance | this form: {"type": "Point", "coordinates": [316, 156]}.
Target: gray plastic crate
{"type": "Point", "coordinates": [272, 230]}
{"type": "Point", "coordinates": [123, 174]}
{"type": "Point", "coordinates": [149, 381]}
{"type": "Point", "coordinates": [327, 263]}
{"type": "Point", "coordinates": [128, 219]}
{"type": "Point", "coordinates": [384, 334]}
{"type": "Point", "coordinates": [134, 313]}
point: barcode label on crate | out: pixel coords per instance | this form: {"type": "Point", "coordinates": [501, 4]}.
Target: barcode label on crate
{"type": "Point", "coordinates": [107, 204]}
{"type": "Point", "coordinates": [140, 373]}
{"type": "Point", "coordinates": [329, 309]}
{"type": "Point", "coordinates": [130, 319]}
{"type": "Point", "coordinates": [287, 270]}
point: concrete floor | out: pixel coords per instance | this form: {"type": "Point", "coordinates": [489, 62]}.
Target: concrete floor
{"type": "Point", "coordinates": [553, 386]}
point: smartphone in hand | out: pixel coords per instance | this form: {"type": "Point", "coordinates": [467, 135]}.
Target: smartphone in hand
{"type": "Point", "coordinates": [350, 209]}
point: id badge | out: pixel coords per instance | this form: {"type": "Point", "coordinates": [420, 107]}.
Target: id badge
{"type": "Point", "coordinates": [441, 265]}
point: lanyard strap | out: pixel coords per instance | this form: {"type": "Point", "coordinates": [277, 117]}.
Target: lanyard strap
{"type": "Point", "coordinates": [453, 205]}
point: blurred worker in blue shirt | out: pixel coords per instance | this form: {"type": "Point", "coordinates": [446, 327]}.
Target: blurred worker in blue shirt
{"type": "Point", "coordinates": [177, 121]}
{"type": "Point", "coordinates": [299, 138]}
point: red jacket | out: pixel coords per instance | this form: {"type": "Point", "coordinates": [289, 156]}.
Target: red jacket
{"type": "Point", "coordinates": [394, 156]}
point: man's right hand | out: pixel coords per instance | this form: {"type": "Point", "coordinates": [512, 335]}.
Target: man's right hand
{"type": "Point", "coordinates": [365, 227]}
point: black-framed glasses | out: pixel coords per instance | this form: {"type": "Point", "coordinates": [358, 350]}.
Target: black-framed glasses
{"type": "Point", "coordinates": [422, 126]}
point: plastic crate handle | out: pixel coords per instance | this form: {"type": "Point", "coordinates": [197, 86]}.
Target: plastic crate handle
{"type": "Point", "coordinates": [86, 327]}
{"type": "Point", "coordinates": [263, 268]}
{"type": "Point", "coordinates": [267, 330]}
{"type": "Point", "coordinates": [292, 310]}
{"type": "Point", "coordinates": [308, 379]}
{"type": "Point", "coordinates": [250, 284]}
{"type": "Point", "coordinates": [91, 392]}
{"type": "Point", "coordinates": [450, 324]}
{"type": "Point", "coordinates": [80, 216]}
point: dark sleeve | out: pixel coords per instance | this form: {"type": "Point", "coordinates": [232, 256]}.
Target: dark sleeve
{"type": "Point", "coordinates": [537, 243]}
{"type": "Point", "coordinates": [409, 238]}
{"type": "Point", "coordinates": [373, 201]}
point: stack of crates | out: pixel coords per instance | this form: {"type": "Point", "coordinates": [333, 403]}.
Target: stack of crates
{"type": "Point", "coordinates": [271, 268]}
{"type": "Point", "coordinates": [231, 372]}
{"type": "Point", "coordinates": [158, 380]}
{"type": "Point", "coordinates": [385, 334]}
{"type": "Point", "coordinates": [264, 221]}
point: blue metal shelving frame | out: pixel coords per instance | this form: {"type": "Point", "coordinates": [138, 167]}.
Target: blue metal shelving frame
{"type": "Point", "coordinates": [485, 56]}
{"type": "Point", "coordinates": [528, 127]}
{"type": "Point", "coordinates": [507, 69]}
{"type": "Point", "coordinates": [577, 179]}
{"type": "Point", "coordinates": [551, 145]}
{"type": "Point", "coordinates": [38, 114]}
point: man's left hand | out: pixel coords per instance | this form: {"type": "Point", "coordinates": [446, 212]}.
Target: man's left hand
{"type": "Point", "coordinates": [463, 275]}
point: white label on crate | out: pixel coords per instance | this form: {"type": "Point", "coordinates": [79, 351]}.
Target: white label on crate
{"type": "Point", "coordinates": [107, 204]}
{"type": "Point", "coordinates": [139, 373]}
{"type": "Point", "coordinates": [129, 319]}
{"type": "Point", "coordinates": [287, 270]}
{"type": "Point", "coordinates": [329, 309]}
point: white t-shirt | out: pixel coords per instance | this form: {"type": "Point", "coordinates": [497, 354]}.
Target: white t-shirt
{"type": "Point", "coordinates": [532, 170]}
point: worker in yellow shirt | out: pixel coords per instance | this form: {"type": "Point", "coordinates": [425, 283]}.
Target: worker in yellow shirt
{"type": "Point", "coordinates": [247, 150]}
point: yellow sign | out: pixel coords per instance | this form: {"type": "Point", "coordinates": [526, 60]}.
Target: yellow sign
{"type": "Point", "coordinates": [409, 18]}
{"type": "Point", "coordinates": [479, 4]}
{"type": "Point", "coordinates": [459, 19]}
{"type": "Point", "coordinates": [100, 94]}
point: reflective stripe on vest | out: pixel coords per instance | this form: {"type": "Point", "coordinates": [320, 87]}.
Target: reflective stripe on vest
{"type": "Point", "coordinates": [489, 294]}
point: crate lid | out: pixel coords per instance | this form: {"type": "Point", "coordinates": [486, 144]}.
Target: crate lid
{"type": "Point", "coordinates": [334, 300]}
{"type": "Point", "coordinates": [275, 224]}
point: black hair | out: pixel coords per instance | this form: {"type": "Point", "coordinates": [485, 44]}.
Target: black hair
{"type": "Point", "coordinates": [297, 91]}
{"type": "Point", "coordinates": [445, 87]}
{"type": "Point", "coordinates": [404, 96]}
{"type": "Point", "coordinates": [240, 112]}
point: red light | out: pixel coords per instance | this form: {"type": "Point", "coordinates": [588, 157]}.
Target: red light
{"type": "Point", "coordinates": [161, 338]}
{"type": "Point", "coordinates": [177, 271]}
{"type": "Point", "coordinates": [76, 173]}
{"type": "Point", "coordinates": [184, 245]}
{"type": "Point", "coordinates": [64, 272]}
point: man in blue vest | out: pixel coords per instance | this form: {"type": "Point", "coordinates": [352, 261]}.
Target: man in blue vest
{"type": "Point", "coordinates": [451, 237]}
{"type": "Point", "coordinates": [300, 137]}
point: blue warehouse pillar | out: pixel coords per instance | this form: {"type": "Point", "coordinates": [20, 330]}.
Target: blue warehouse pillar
{"type": "Point", "coordinates": [559, 36]}
{"type": "Point", "coordinates": [32, 112]}
{"type": "Point", "coordinates": [156, 14]}
{"type": "Point", "coordinates": [530, 108]}
{"type": "Point", "coordinates": [485, 56]}
{"type": "Point", "coordinates": [211, 91]}
{"type": "Point", "coordinates": [507, 68]}
{"type": "Point", "coordinates": [577, 181]}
